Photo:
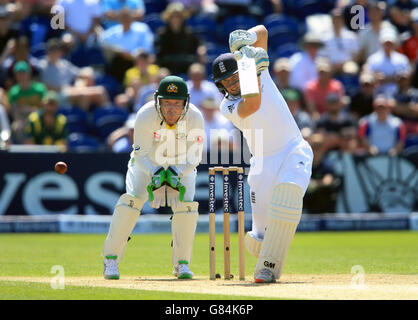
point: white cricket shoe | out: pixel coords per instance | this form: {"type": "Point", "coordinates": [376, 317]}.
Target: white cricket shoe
{"type": "Point", "coordinates": [265, 276]}
{"type": "Point", "coordinates": [111, 270]}
{"type": "Point", "coordinates": [182, 271]}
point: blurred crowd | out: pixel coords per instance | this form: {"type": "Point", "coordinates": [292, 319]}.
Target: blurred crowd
{"type": "Point", "coordinates": [73, 73]}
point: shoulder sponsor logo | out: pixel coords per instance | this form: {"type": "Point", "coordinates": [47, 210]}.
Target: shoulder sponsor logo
{"type": "Point", "coordinates": [231, 108]}
{"type": "Point", "coordinates": [157, 135]}
{"type": "Point", "coordinates": [199, 139]}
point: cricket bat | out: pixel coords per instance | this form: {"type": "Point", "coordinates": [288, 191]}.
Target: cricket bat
{"type": "Point", "coordinates": [247, 73]}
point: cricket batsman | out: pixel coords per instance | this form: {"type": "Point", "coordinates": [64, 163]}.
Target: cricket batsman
{"type": "Point", "coordinates": [279, 175]}
{"type": "Point", "coordinates": [167, 148]}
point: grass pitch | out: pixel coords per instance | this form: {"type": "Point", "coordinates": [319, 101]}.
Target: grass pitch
{"type": "Point", "coordinates": [26, 262]}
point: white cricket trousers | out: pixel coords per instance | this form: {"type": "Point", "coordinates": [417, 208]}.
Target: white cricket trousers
{"type": "Point", "coordinates": [292, 164]}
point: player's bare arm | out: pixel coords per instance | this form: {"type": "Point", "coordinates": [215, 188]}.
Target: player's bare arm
{"type": "Point", "coordinates": [250, 105]}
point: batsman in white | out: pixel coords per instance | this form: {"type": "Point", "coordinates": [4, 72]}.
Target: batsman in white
{"type": "Point", "coordinates": [280, 167]}
{"type": "Point", "coordinates": [168, 145]}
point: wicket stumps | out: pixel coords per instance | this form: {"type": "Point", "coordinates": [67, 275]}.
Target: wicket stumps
{"type": "Point", "coordinates": [212, 207]}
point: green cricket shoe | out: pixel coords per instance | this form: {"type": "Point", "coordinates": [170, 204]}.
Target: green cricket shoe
{"type": "Point", "coordinates": [111, 269]}
{"type": "Point", "coordinates": [182, 271]}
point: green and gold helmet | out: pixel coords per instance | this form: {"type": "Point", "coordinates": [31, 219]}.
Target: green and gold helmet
{"type": "Point", "coordinates": [172, 87]}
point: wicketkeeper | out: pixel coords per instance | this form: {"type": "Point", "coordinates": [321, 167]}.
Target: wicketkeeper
{"type": "Point", "coordinates": [281, 159]}
{"type": "Point", "coordinates": [168, 144]}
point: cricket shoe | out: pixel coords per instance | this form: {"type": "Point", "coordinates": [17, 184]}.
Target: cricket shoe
{"type": "Point", "coordinates": [111, 270]}
{"type": "Point", "coordinates": [265, 276]}
{"type": "Point", "coordinates": [182, 271]}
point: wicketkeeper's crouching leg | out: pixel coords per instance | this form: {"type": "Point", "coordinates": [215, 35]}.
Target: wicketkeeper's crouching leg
{"type": "Point", "coordinates": [124, 218]}
{"type": "Point", "coordinates": [285, 212]}
{"type": "Point", "coordinates": [183, 228]}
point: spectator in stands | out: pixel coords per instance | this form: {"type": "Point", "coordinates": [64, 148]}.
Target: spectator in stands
{"type": "Point", "coordinates": [337, 127]}
{"type": "Point", "coordinates": [15, 8]}
{"type": "Point", "coordinates": [121, 140]}
{"type": "Point", "coordinates": [24, 97]}
{"type": "Point", "coordinates": [294, 101]}
{"type": "Point", "coordinates": [144, 71]}
{"type": "Point", "coordinates": [381, 132]}
{"type": "Point", "coordinates": [26, 92]}
{"type": "Point", "coordinates": [362, 102]}
{"type": "Point", "coordinates": [237, 7]}
{"type": "Point", "coordinates": [7, 29]}
{"type": "Point", "coordinates": [112, 10]}
{"type": "Point", "coordinates": [17, 50]}
{"type": "Point", "coordinates": [387, 63]}
{"type": "Point", "coordinates": [82, 27]}
{"type": "Point", "coordinates": [206, 7]}
{"type": "Point", "coordinates": [369, 35]}
{"type": "Point", "coordinates": [322, 192]}
{"type": "Point", "coordinates": [220, 133]}
{"type": "Point", "coordinates": [41, 25]}
{"type": "Point", "coordinates": [81, 18]}
{"type": "Point", "coordinates": [5, 132]}
{"type": "Point", "coordinates": [342, 44]}
{"type": "Point", "coordinates": [56, 72]}
{"type": "Point", "coordinates": [141, 74]}
{"type": "Point", "coordinates": [400, 13]}
{"type": "Point", "coordinates": [176, 45]}
{"type": "Point", "coordinates": [302, 64]}
{"type": "Point", "coordinates": [406, 106]}
{"type": "Point", "coordinates": [281, 76]}
{"type": "Point", "coordinates": [317, 90]}
{"type": "Point", "coordinates": [410, 45]}
{"type": "Point", "coordinates": [85, 93]}
{"type": "Point", "coordinates": [199, 88]}
{"type": "Point", "coordinates": [46, 126]}
{"type": "Point", "coordinates": [146, 93]}
{"type": "Point", "coordinates": [124, 41]}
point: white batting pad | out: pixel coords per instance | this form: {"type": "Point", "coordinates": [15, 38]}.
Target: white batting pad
{"type": "Point", "coordinates": [124, 218]}
{"type": "Point", "coordinates": [285, 212]}
{"type": "Point", "coordinates": [183, 228]}
{"type": "Point", "coordinates": [253, 244]}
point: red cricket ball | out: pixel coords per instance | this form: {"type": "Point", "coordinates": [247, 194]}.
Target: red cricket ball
{"type": "Point", "coordinates": [61, 167]}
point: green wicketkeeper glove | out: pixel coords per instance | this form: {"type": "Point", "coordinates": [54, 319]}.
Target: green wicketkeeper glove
{"type": "Point", "coordinates": [173, 180]}
{"type": "Point", "coordinates": [158, 180]}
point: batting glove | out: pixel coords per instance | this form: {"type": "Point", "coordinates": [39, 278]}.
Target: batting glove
{"type": "Point", "coordinates": [260, 56]}
{"type": "Point", "coordinates": [240, 38]}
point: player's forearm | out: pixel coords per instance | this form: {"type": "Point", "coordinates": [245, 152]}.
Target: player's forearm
{"type": "Point", "coordinates": [144, 163]}
{"type": "Point", "coordinates": [250, 105]}
{"type": "Point", "coordinates": [262, 36]}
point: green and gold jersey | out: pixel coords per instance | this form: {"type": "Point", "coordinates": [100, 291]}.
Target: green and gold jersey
{"type": "Point", "coordinates": [41, 134]}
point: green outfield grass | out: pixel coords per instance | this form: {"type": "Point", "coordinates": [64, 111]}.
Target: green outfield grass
{"type": "Point", "coordinates": [150, 255]}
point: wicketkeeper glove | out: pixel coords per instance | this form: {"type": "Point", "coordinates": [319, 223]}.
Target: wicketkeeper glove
{"type": "Point", "coordinates": [156, 189]}
{"type": "Point", "coordinates": [240, 38]}
{"type": "Point", "coordinates": [173, 181]}
{"type": "Point", "coordinates": [260, 56]}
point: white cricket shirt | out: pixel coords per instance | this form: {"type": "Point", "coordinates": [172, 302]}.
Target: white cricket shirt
{"type": "Point", "coordinates": [271, 127]}
{"type": "Point", "coordinates": [155, 144]}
